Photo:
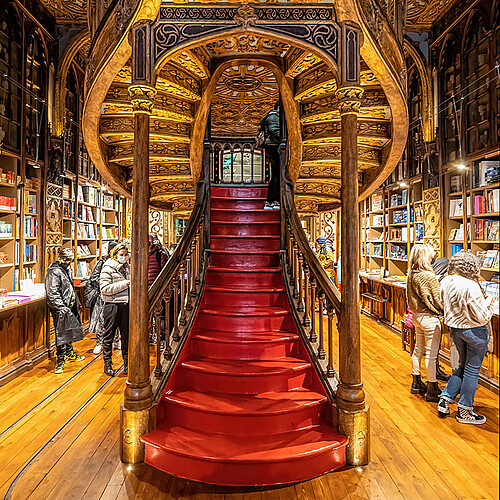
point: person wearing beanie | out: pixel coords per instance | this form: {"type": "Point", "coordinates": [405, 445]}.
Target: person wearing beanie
{"type": "Point", "coordinates": [93, 290]}
{"type": "Point", "coordinates": [64, 306]}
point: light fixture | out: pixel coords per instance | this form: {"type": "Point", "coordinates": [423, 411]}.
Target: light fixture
{"type": "Point", "coordinates": [461, 166]}
{"type": "Point", "coordinates": [129, 467]}
{"type": "Point", "coordinates": [403, 184]}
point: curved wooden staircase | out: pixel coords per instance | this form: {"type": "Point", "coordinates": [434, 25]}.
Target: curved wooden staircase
{"type": "Point", "coordinates": [244, 404]}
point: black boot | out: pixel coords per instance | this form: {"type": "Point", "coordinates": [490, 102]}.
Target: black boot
{"type": "Point", "coordinates": [433, 392]}
{"type": "Point", "coordinates": [418, 387]}
{"type": "Point", "coordinates": [108, 368]}
{"type": "Point", "coordinates": [125, 365]}
{"type": "Point", "coordinates": [440, 374]}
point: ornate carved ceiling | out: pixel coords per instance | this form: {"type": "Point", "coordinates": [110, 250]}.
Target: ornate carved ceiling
{"type": "Point", "coordinates": [243, 96]}
{"type": "Point", "coordinates": [421, 14]}
{"type": "Point", "coordinates": [67, 11]}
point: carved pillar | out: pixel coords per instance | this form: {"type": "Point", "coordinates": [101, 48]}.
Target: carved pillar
{"type": "Point", "coordinates": [137, 416]}
{"type": "Point", "coordinates": [353, 415]}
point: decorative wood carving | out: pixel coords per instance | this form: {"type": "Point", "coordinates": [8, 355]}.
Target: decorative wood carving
{"type": "Point", "coordinates": [432, 213]}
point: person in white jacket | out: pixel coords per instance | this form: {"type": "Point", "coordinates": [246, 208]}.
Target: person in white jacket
{"type": "Point", "coordinates": [114, 282]}
{"type": "Point", "coordinates": [467, 312]}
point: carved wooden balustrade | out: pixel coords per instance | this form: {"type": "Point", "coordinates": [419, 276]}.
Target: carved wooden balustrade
{"type": "Point", "coordinates": [237, 160]}
{"type": "Point", "coordinates": [311, 293]}
{"type": "Point", "coordinates": [175, 294]}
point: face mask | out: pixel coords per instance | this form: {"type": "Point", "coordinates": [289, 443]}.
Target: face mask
{"type": "Point", "coordinates": [122, 259]}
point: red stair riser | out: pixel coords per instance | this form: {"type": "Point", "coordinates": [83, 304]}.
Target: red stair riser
{"type": "Point", "coordinates": [245, 298]}
{"type": "Point", "coordinates": [242, 384]}
{"type": "Point", "coordinates": [235, 193]}
{"type": "Point", "coordinates": [235, 350]}
{"type": "Point", "coordinates": [243, 323]}
{"type": "Point", "coordinates": [246, 216]}
{"type": "Point", "coordinates": [242, 260]}
{"type": "Point", "coordinates": [241, 425]}
{"type": "Point", "coordinates": [247, 474]}
{"type": "Point", "coordinates": [230, 204]}
{"type": "Point", "coordinates": [244, 280]}
{"type": "Point", "coordinates": [256, 230]}
{"type": "Point", "coordinates": [250, 244]}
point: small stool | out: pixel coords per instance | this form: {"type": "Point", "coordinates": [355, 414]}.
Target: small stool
{"type": "Point", "coordinates": [407, 337]}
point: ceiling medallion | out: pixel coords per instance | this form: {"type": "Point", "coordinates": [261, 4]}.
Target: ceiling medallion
{"type": "Point", "coordinates": [243, 83]}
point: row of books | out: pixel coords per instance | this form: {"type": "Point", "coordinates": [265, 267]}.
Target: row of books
{"type": "Point", "coordinates": [87, 194]}
{"type": "Point", "coordinates": [487, 204]}
{"type": "Point", "coordinates": [457, 207]}
{"type": "Point", "coordinates": [110, 232]}
{"type": "Point", "coordinates": [68, 209]}
{"type": "Point", "coordinates": [8, 203]}
{"type": "Point", "coordinates": [82, 269]}
{"type": "Point", "coordinates": [83, 251]}
{"type": "Point", "coordinates": [30, 253]}
{"type": "Point", "coordinates": [487, 230]}
{"type": "Point", "coordinates": [377, 202]}
{"type": "Point", "coordinates": [30, 227]}
{"type": "Point", "coordinates": [86, 214]}
{"type": "Point", "coordinates": [5, 229]}
{"type": "Point", "coordinates": [29, 202]}
{"type": "Point", "coordinates": [400, 216]}
{"type": "Point", "coordinates": [398, 252]}
{"type": "Point", "coordinates": [458, 234]}
{"type": "Point", "coordinates": [85, 230]}
{"type": "Point", "coordinates": [399, 198]}
{"type": "Point", "coordinates": [8, 176]}
{"type": "Point", "coordinates": [489, 258]}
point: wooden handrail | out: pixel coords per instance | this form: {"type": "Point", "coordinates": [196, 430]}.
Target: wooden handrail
{"type": "Point", "coordinates": [323, 282]}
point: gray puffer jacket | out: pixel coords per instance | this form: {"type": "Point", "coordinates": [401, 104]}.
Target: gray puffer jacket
{"type": "Point", "coordinates": [114, 282]}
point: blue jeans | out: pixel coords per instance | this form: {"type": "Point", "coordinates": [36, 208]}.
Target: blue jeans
{"type": "Point", "coordinates": [471, 345]}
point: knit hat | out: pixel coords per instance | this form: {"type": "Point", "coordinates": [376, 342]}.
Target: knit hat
{"type": "Point", "coordinates": [321, 240]}
{"type": "Point", "coordinates": [111, 245]}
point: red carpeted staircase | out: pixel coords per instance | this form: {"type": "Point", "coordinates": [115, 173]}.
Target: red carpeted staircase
{"type": "Point", "coordinates": [244, 406]}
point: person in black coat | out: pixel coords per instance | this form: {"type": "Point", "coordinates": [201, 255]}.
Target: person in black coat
{"type": "Point", "coordinates": [65, 308]}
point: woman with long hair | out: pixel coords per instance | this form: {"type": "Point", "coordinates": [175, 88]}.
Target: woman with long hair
{"type": "Point", "coordinates": [424, 300]}
{"type": "Point", "coordinates": [115, 292]}
{"type": "Point", "coordinates": [467, 312]}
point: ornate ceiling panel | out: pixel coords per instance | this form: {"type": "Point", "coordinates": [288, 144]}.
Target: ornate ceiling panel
{"type": "Point", "coordinates": [421, 14]}
{"type": "Point", "coordinates": [67, 11]}
{"type": "Point", "coordinates": [247, 44]}
{"type": "Point", "coordinates": [243, 96]}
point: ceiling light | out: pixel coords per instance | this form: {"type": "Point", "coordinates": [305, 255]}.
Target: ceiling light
{"type": "Point", "coordinates": [403, 184]}
{"type": "Point", "coordinates": [461, 166]}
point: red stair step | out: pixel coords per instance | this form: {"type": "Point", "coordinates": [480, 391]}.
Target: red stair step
{"type": "Point", "coordinates": [237, 345]}
{"type": "Point", "coordinates": [238, 192]}
{"type": "Point", "coordinates": [241, 415]}
{"type": "Point", "coordinates": [244, 376]}
{"type": "Point", "coordinates": [244, 319]}
{"type": "Point", "coordinates": [253, 229]}
{"type": "Point", "coordinates": [244, 296]}
{"type": "Point", "coordinates": [245, 243]}
{"type": "Point", "coordinates": [230, 258]}
{"type": "Point", "coordinates": [245, 461]}
{"type": "Point", "coordinates": [243, 216]}
{"type": "Point", "coordinates": [246, 276]}
{"type": "Point", "coordinates": [237, 203]}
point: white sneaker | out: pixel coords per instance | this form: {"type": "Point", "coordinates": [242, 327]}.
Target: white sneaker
{"type": "Point", "coordinates": [97, 349]}
{"type": "Point", "coordinates": [276, 205]}
{"type": "Point", "coordinates": [268, 206]}
{"type": "Point", "coordinates": [117, 345]}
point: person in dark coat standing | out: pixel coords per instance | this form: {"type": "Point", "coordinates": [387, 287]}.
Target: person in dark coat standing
{"type": "Point", "coordinates": [270, 127]}
{"type": "Point", "coordinates": [157, 258]}
{"type": "Point", "coordinates": [65, 308]}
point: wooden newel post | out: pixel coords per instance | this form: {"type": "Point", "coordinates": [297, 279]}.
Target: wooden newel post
{"type": "Point", "coordinates": [138, 413]}
{"type": "Point", "coordinates": [353, 413]}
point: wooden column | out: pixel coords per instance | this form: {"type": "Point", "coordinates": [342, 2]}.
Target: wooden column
{"type": "Point", "coordinates": [353, 417]}
{"type": "Point", "coordinates": [137, 416]}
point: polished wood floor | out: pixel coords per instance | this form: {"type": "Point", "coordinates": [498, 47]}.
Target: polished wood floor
{"type": "Point", "coordinates": [415, 455]}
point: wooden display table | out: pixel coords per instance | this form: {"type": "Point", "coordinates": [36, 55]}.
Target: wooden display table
{"type": "Point", "coordinates": [24, 340]}
{"type": "Point", "coordinates": [385, 300]}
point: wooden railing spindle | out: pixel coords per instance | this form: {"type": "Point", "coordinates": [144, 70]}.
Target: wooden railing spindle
{"type": "Point", "coordinates": [306, 320]}
{"type": "Point", "coordinates": [157, 328]}
{"type": "Point", "coordinates": [182, 320]}
{"type": "Point", "coordinates": [300, 305]}
{"type": "Point", "coordinates": [330, 372]}
{"type": "Point", "coordinates": [321, 349]}
{"type": "Point", "coordinates": [167, 353]}
{"type": "Point", "coordinates": [312, 332]}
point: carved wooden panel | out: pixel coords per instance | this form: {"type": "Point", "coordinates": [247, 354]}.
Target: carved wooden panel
{"type": "Point", "coordinates": [432, 225]}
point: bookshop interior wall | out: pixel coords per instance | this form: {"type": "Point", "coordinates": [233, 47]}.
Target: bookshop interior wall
{"type": "Point", "coordinates": [444, 191]}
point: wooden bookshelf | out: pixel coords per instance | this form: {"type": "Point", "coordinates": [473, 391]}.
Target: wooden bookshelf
{"type": "Point", "coordinates": [392, 218]}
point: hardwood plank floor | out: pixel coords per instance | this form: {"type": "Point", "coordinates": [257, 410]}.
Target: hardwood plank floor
{"type": "Point", "coordinates": [415, 455]}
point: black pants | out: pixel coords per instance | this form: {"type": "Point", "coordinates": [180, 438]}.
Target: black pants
{"type": "Point", "coordinates": [64, 350]}
{"type": "Point", "coordinates": [273, 190]}
{"type": "Point", "coordinates": [115, 316]}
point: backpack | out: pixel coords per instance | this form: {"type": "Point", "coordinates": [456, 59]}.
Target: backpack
{"type": "Point", "coordinates": [92, 288]}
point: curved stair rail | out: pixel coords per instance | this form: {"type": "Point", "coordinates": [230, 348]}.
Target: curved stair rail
{"type": "Point", "coordinates": [180, 286]}
{"type": "Point", "coordinates": [308, 286]}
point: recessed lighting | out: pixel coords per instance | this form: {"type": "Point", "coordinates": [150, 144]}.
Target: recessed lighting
{"type": "Point", "coordinates": [461, 166]}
